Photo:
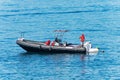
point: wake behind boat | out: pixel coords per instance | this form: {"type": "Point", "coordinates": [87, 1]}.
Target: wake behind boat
{"type": "Point", "coordinates": [56, 46]}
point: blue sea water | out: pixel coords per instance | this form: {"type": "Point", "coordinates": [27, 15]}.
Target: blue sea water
{"type": "Point", "coordinates": [99, 20]}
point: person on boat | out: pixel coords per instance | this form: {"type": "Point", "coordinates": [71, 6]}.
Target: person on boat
{"type": "Point", "coordinates": [47, 42]}
{"type": "Point", "coordinates": [82, 39]}
{"type": "Point", "coordinates": [57, 42]}
{"type": "Point", "coordinates": [53, 43]}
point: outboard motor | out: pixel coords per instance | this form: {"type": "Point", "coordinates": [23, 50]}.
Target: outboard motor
{"type": "Point", "coordinates": [88, 46]}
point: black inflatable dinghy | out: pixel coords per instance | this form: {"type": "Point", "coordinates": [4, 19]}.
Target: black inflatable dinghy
{"type": "Point", "coordinates": [37, 46]}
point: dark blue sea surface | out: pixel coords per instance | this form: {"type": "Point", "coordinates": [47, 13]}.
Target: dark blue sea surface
{"type": "Point", "coordinates": [99, 20]}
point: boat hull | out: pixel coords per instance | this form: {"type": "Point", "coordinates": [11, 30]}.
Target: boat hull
{"type": "Point", "coordinates": [35, 46]}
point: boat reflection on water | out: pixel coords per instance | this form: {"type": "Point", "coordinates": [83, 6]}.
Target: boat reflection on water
{"type": "Point", "coordinates": [56, 63]}
{"type": "Point", "coordinates": [83, 57]}
{"type": "Point", "coordinates": [86, 61]}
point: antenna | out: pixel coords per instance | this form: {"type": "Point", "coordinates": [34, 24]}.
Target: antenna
{"type": "Point", "coordinates": [22, 34]}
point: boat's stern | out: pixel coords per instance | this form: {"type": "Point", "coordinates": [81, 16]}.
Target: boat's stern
{"type": "Point", "coordinates": [89, 48]}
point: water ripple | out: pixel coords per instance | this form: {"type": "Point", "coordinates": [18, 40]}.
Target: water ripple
{"type": "Point", "coordinates": [98, 21]}
{"type": "Point", "coordinates": [47, 13]}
